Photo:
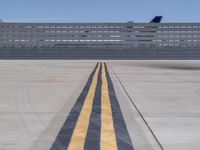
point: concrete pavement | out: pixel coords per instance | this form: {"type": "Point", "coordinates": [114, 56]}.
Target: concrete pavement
{"type": "Point", "coordinates": [159, 101]}
{"type": "Point", "coordinates": [167, 95]}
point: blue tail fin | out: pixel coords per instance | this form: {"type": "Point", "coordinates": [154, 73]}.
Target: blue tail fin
{"type": "Point", "coordinates": [156, 19]}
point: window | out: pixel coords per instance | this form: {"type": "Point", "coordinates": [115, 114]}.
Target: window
{"type": "Point", "coordinates": [114, 36]}
{"type": "Point", "coordinates": [165, 27]}
{"type": "Point", "coordinates": [130, 27]}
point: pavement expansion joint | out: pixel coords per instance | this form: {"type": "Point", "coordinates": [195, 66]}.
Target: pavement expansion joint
{"type": "Point", "coordinates": [135, 106]}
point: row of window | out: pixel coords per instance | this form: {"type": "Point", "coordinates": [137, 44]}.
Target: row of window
{"type": "Point", "coordinates": [108, 40]}
{"type": "Point", "coordinates": [100, 27]}
{"type": "Point", "coordinates": [82, 31]}
{"type": "Point", "coordinates": [189, 40]}
{"type": "Point", "coordinates": [188, 31]}
{"type": "Point", "coordinates": [59, 31]}
{"type": "Point", "coordinates": [101, 36]}
{"type": "Point", "coordinates": [101, 31]}
{"type": "Point", "coordinates": [69, 35]}
{"type": "Point", "coordinates": [61, 27]}
{"type": "Point", "coordinates": [104, 38]}
{"type": "Point", "coordinates": [53, 40]}
{"type": "Point", "coordinates": [177, 27]}
{"type": "Point", "coordinates": [172, 36]}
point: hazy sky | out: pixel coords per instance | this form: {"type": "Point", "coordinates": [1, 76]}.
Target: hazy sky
{"type": "Point", "coordinates": [99, 10]}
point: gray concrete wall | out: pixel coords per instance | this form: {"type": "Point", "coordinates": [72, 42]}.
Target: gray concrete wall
{"type": "Point", "coordinates": [100, 54]}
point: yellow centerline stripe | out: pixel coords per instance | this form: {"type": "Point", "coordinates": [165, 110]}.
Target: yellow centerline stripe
{"type": "Point", "coordinates": [108, 139]}
{"type": "Point", "coordinates": [80, 131]}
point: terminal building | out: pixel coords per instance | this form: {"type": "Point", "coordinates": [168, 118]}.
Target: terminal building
{"type": "Point", "coordinates": [129, 35]}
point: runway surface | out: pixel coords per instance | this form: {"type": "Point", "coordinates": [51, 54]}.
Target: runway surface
{"type": "Point", "coordinates": [68, 104]}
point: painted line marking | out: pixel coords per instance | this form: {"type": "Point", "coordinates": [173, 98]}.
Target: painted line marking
{"type": "Point", "coordinates": [79, 134]}
{"type": "Point", "coordinates": [108, 138]}
{"type": "Point", "coordinates": [95, 121]}
{"type": "Point", "coordinates": [92, 141]}
{"type": "Point", "coordinates": [122, 136]}
{"type": "Point", "coordinates": [63, 138]}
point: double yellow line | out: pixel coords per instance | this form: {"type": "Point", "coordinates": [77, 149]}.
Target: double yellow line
{"type": "Point", "coordinates": [107, 134]}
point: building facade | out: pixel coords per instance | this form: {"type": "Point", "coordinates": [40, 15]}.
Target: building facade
{"type": "Point", "coordinates": [99, 35]}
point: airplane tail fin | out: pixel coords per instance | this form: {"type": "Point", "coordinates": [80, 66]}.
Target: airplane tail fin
{"type": "Point", "coordinates": [156, 19]}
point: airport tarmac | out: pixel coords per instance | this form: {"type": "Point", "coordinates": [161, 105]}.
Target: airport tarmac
{"type": "Point", "coordinates": [153, 105]}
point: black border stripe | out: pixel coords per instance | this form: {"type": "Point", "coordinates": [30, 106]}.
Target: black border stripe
{"type": "Point", "coordinates": [92, 141]}
{"type": "Point", "coordinates": [122, 136]}
{"type": "Point", "coordinates": [63, 138]}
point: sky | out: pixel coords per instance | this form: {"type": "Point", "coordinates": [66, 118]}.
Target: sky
{"type": "Point", "coordinates": [99, 10]}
